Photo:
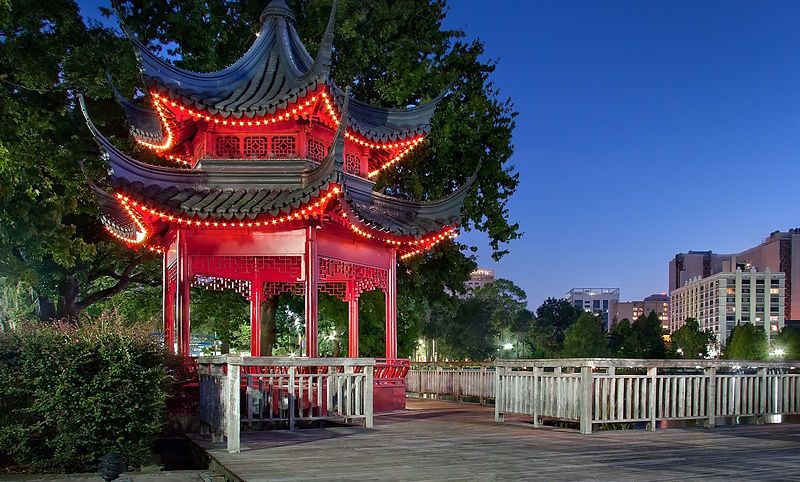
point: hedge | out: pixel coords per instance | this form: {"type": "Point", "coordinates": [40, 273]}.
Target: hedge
{"type": "Point", "coordinates": [69, 394]}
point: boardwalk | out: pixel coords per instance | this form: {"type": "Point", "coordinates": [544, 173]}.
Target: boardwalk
{"type": "Point", "coordinates": [449, 441]}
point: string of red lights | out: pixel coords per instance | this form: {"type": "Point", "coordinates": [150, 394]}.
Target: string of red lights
{"type": "Point", "coordinates": [398, 149]}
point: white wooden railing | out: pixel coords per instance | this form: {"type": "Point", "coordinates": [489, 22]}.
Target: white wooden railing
{"type": "Point", "coordinates": [591, 391]}
{"type": "Point", "coordinates": [254, 391]}
{"type": "Point", "coordinates": [457, 380]}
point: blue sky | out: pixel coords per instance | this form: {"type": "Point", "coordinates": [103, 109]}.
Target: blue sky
{"type": "Point", "coordinates": [645, 129]}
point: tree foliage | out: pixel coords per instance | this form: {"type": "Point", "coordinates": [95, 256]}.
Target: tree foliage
{"type": "Point", "coordinates": [50, 234]}
{"type": "Point", "coordinates": [586, 338]}
{"type": "Point", "coordinates": [689, 341]}
{"type": "Point", "coordinates": [788, 340]}
{"type": "Point", "coordinates": [71, 394]}
{"type": "Point", "coordinates": [746, 342]}
{"type": "Point", "coordinates": [553, 318]}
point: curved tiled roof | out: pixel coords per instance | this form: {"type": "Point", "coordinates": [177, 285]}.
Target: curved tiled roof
{"type": "Point", "coordinates": [274, 73]}
{"type": "Point", "coordinates": [246, 189]}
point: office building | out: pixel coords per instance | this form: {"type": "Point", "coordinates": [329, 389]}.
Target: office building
{"type": "Point", "coordinates": [720, 301]}
{"type": "Point", "coordinates": [594, 300]}
{"type": "Point", "coordinates": [658, 303]}
{"type": "Point", "coordinates": [780, 252]}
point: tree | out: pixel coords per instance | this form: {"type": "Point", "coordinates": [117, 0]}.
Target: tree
{"type": "Point", "coordinates": [689, 341]}
{"type": "Point", "coordinates": [586, 338]}
{"type": "Point", "coordinates": [470, 333]}
{"type": "Point", "coordinates": [650, 337]}
{"type": "Point", "coordinates": [506, 304]}
{"type": "Point", "coordinates": [51, 238]}
{"type": "Point", "coordinates": [788, 340]}
{"type": "Point", "coordinates": [746, 342]}
{"type": "Point", "coordinates": [553, 317]}
{"type": "Point", "coordinates": [623, 340]}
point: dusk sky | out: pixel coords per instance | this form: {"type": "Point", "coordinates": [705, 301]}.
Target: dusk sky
{"type": "Point", "coordinates": [645, 129]}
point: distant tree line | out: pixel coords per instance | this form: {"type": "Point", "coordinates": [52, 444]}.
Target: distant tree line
{"type": "Point", "coordinates": [493, 322]}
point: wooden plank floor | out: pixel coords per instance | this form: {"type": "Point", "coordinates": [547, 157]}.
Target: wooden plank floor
{"type": "Point", "coordinates": [450, 441]}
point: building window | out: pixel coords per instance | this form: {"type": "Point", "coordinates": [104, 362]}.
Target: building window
{"type": "Point", "coordinates": [255, 146]}
{"type": "Point", "coordinates": [227, 147]}
{"type": "Point", "coordinates": [316, 150]}
{"type": "Point", "coordinates": [352, 163]}
{"type": "Point", "coordinates": [774, 291]}
{"type": "Point", "coordinates": [284, 146]}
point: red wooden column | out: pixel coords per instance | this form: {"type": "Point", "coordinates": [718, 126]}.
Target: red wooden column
{"type": "Point", "coordinates": [167, 306]}
{"type": "Point", "coordinates": [183, 289]}
{"type": "Point", "coordinates": [352, 320]}
{"type": "Point", "coordinates": [312, 292]}
{"type": "Point", "coordinates": [391, 306]}
{"type": "Point", "coordinates": [256, 298]}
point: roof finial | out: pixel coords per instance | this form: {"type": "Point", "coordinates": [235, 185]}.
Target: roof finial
{"type": "Point", "coordinates": [323, 60]}
{"type": "Point", "coordinates": [277, 8]}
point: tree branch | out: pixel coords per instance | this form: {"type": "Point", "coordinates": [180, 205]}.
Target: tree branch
{"type": "Point", "coordinates": [124, 279]}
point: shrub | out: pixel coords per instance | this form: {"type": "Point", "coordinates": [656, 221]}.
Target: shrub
{"type": "Point", "coordinates": [70, 394]}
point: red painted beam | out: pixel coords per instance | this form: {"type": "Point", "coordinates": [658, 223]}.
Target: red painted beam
{"type": "Point", "coordinates": [352, 320]}
{"type": "Point", "coordinates": [391, 307]}
{"type": "Point", "coordinates": [312, 292]}
{"type": "Point", "coordinates": [256, 297]}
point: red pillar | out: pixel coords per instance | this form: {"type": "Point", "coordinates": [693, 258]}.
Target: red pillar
{"type": "Point", "coordinates": [312, 292]}
{"type": "Point", "coordinates": [167, 307]}
{"type": "Point", "coordinates": [256, 297]}
{"type": "Point", "coordinates": [183, 290]}
{"type": "Point", "coordinates": [391, 306]}
{"type": "Point", "coordinates": [352, 320]}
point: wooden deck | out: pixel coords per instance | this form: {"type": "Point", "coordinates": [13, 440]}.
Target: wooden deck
{"type": "Point", "coordinates": [451, 441]}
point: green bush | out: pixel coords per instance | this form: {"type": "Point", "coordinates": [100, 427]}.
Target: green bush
{"type": "Point", "coordinates": [70, 394]}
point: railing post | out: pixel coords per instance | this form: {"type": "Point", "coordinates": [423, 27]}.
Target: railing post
{"type": "Point", "coordinates": [762, 376]}
{"type": "Point", "coordinates": [482, 384]}
{"type": "Point", "coordinates": [537, 397]}
{"type": "Point", "coordinates": [586, 400]}
{"type": "Point", "coordinates": [368, 380]}
{"type": "Point", "coordinates": [233, 385]}
{"type": "Point", "coordinates": [498, 393]}
{"type": "Point", "coordinates": [652, 374]}
{"type": "Point", "coordinates": [291, 399]}
{"type": "Point", "coordinates": [711, 396]}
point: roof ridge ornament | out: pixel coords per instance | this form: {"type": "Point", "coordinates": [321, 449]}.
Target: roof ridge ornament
{"type": "Point", "coordinates": [277, 8]}
{"type": "Point", "coordinates": [322, 63]}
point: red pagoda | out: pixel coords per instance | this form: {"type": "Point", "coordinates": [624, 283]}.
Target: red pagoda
{"type": "Point", "coordinates": [270, 187]}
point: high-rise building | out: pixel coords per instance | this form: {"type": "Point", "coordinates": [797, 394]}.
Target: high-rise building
{"type": "Point", "coordinates": [780, 252]}
{"type": "Point", "coordinates": [480, 278]}
{"type": "Point", "coordinates": [720, 301]}
{"type": "Point", "coordinates": [594, 300]}
{"type": "Point", "coordinates": [659, 303]}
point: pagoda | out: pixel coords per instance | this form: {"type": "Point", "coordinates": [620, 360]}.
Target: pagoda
{"type": "Point", "coordinates": [269, 183]}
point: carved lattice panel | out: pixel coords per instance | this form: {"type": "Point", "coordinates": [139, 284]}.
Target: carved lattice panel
{"type": "Point", "coordinates": [352, 163]}
{"type": "Point", "coordinates": [245, 266]}
{"type": "Point", "coordinates": [256, 146]}
{"type": "Point", "coordinates": [227, 147]}
{"type": "Point", "coordinates": [316, 150]}
{"type": "Point", "coordinates": [337, 289]}
{"type": "Point", "coordinates": [365, 278]}
{"type": "Point", "coordinates": [222, 284]}
{"type": "Point", "coordinates": [272, 288]}
{"type": "Point", "coordinates": [284, 146]}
